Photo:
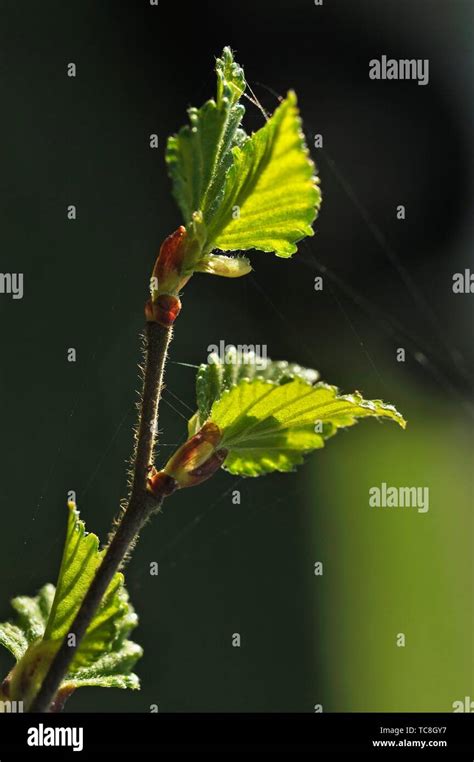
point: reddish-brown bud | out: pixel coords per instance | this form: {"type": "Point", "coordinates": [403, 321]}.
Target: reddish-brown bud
{"type": "Point", "coordinates": [164, 310]}
{"type": "Point", "coordinates": [169, 275]}
{"type": "Point", "coordinates": [171, 254]}
{"type": "Point", "coordinates": [208, 468]}
{"type": "Point", "coordinates": [161, 484]}
{"type": "Point", "coordinates": [197, 459]}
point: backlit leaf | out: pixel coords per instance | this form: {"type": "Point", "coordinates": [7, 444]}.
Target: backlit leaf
{"type": "Point", "coordinates": [270, 427]}
{"type": "Point", "coordinates": [271, 195]}
{"type": "Point", "coordinates": [105, 656]}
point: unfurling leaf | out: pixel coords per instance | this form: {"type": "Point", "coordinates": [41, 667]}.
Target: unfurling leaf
{"type": "Point", "coordinates": [200, 155]}
{"type": "Point", "coordinates": [269, 427]}
{"type": "Point", "coordinates": [239, 192]}
{"type": "Point", "coordinates": [272, 186]}
{"type": "Point", "coordinates": [221, 374]}
{"type": "Point", "coordinates": [31, 618]}
{"type": "Point", "coordinates": [105, 656]}
{"type": "Point", "coordinates": [227, 267]}
{"type": "Point", "coordinates": [271, 414]}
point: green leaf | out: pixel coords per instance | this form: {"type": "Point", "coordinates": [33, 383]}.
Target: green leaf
{"type": "Point", "coordinates": [112, 681]}
{"type": "Point", "coordinates": [271, 195]}
{"type": "Point", "coordinates": [200, 155]}
{"type": "Point", "coordinates": [31, 618]}
{"type": "Point", "coordinates": [111, 670]}
{"type": "Point", "coordinates": [32, 613]}
{"type": "Point", "coordinates": [105, 656]}
{"type": "Point", "coordinates": [14, 639]}
{"type": "Point", "coordinates": [238, 192]}
{"type": "Point", "coordinates": [268, 426]}
{"type": "Point", "coordinates": [81, 558]}
{"type": "Point", "coordinates": [221, 373]}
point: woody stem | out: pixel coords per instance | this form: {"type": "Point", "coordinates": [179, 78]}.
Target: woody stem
{"type": "Point", "coordinates": [140, 506]}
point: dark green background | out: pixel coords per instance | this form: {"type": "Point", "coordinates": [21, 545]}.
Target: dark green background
{"type": "Point", "coordinates": [67, 426]}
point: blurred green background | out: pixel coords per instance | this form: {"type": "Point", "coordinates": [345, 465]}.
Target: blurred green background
{"type": "Point", "coordinates": [247, 568]}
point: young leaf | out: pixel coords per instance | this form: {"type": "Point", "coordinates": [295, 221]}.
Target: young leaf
{"type": "Point", "coordinates": [31, 616]}
{"type": "Point", "coordinates": [220, 374]}
{"type": "Point", "coordinates": [105, 656]}
{"type": "Point", "coordinates": [270, 427]}
{"type": "Point", "coordinates": [227, 267]}
{"type": "Point", "coordinates": [81, 559]}
{"type": "Point", "coordinates": [238, 192]}
{"type": "Point", "coordinates": [200, 155]}
{"type": "Point", "coordinates": [271, 194]}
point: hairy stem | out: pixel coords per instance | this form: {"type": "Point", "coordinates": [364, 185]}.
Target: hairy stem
{"type": "Point", "coordinates": [138, 510]}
